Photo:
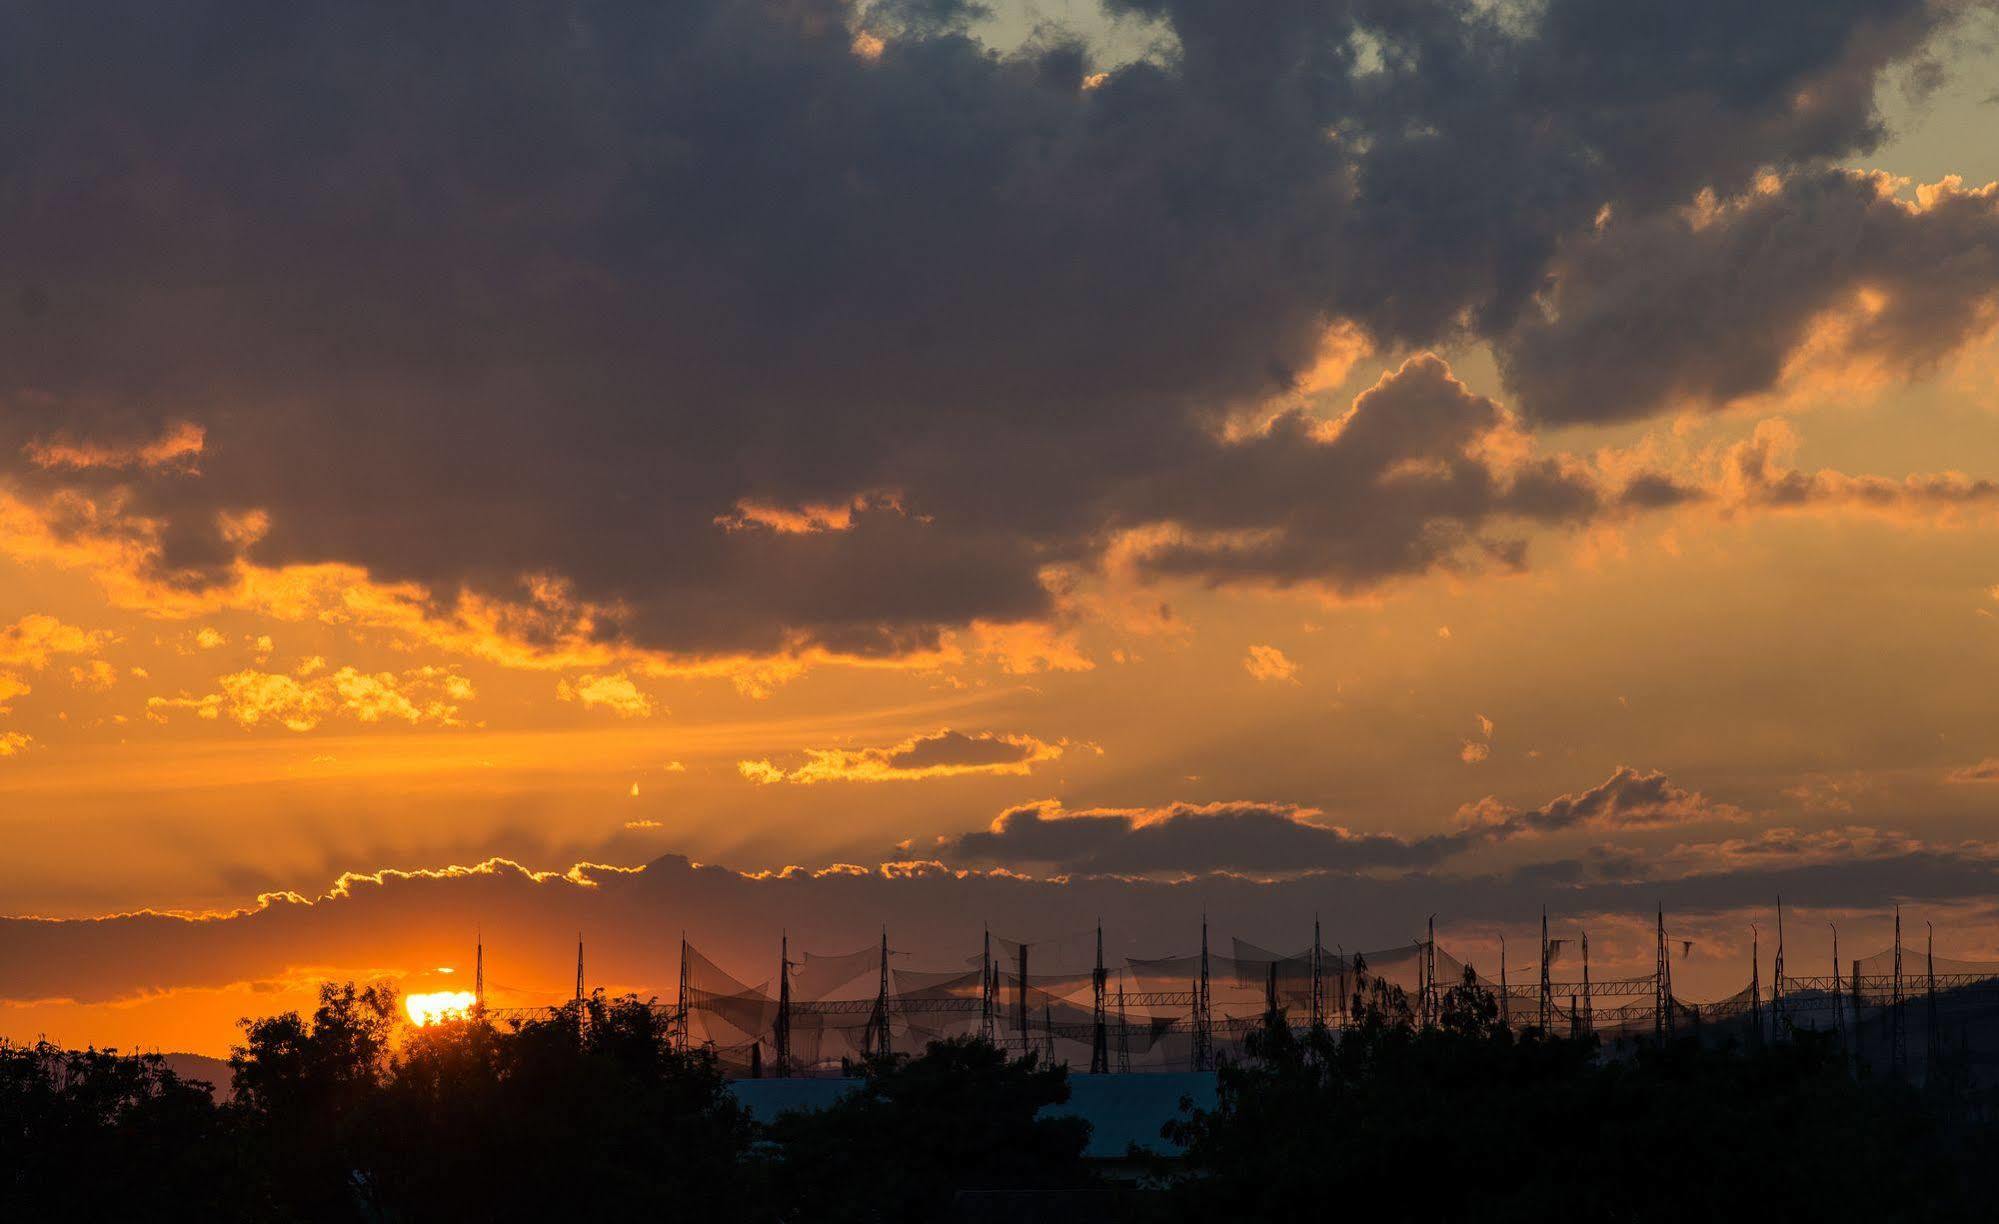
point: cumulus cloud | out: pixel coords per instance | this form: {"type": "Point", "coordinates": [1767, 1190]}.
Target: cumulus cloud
{"type": "Point", "coordinates": [96, 676]}
{"type": "Point", "coordinates": [616, 693]}
{"type": "Point", "coordinates": [1707, 305]}
{"type": "Point", "coordinates": [1630, 799]}
{"type": "Point", "coordinates": [852, 370]}
{"type": "Point", "coordinates": [13, 743]}
{"type": "Point", "coordinates": [368, 924]}
{"type": "Point", "coordinates": [34, 639]}
{"type": "Point", "coordinates": [1986, 770]}
{"type": "Point", "coordinates": [1755, 473]}
{"type": "Point", "coordinates": [1270, 663]}
{"type": "Point", "coordinates": [180, 444]}
{"type": "Point", "coordinates": [941, 754]}
{"type": "Point", "coordinates": [1182, 838]}
{"type": "Point", "coordinates": [428, 696]}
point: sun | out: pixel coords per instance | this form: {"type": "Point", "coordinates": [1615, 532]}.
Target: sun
{"type": "Point", "coordinates": [442, 1005]}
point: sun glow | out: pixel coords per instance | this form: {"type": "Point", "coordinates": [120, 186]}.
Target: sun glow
{"type": "Point", "coordinates": [442, 1005]}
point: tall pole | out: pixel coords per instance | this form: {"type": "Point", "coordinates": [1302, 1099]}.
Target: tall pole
{"type": "Point", "coordinates": [579, 966]}
{"type": "Point", "coordinates": [781, 1031]}
{"type": "Point", "coordinates": [1346, 1000]}
{"type": "Point", "coordinates": [1755, 987]}
{"type": "Point", "coordinates": [1505, 995]}
{"type": "Point", "coordinates": [883, 1045]}
{"type": "Point", "coordinates": [1859, 1032]}
{"type": "Point", "coordinates": [1898, 1037]}
{"type": "Point", "coordinates": [1777, 978]}
{"type": "Point", "coordinates": [1100, 1052]}
{"type": "Point", "coordinates": [1662, 1004]}
{"type": "Point", "coordinates": [1930, 1004]}
{"type": "Point", "coordinates": [1838, 1002]}
{"type": "Point", "coordinates": [1430, 972]}
{"type": "Point", "coordinates": [1547, 997]}
{"type": "Point", "coordinates": [1020, 997]}
{"type": "Point", "coordinates": [1123, 1030]}
{"type": "Point", "coordinates": [1589, 1011]}
{"type": "Point", "coordinates": [1204, 1038]}
{"type": "Point", "coordinates": [988, 980]}
{"type": "Point", "coordinates": [479, 972]}
{"type": "Point", "coordinates": [1318, 978]}
{"type": "Point", "coordinates": [681, 1000]}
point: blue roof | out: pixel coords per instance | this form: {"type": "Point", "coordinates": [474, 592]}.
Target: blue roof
{"type": "Point", "coordinates": [1121, 1109]}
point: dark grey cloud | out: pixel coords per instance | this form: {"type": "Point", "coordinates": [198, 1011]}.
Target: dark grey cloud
{"type": "Point", "coordinates": [1270, 839]}
{"type": "Point", "coordinates": [934, 916]}
{"type": "Point", "coordinates": [1630, 799]}
{"type": "Point", "coordinates": [1707, 306]}
{"type": "Point", "coordinates": [1183, 838]}
{"type": "Point", "coordinates": [469, 292]}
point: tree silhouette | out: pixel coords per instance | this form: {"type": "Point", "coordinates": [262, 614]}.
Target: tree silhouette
{"type": "Point", "coordinates": [920, 1131]}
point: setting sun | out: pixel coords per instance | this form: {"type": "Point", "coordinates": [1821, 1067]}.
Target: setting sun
{"type": "Point", "coordinates": [442, 1005]}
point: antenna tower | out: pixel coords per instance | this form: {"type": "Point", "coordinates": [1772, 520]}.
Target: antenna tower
{"type": "Point", "coordinates": [1100, 1052]}
{"type": "Point", "coordinates": [781, 1029]}
{"type": "Point", "coordinates": [1204, 1038]}
{"type": "Point", "coordinates": [1123, 1032]}
{"type": "Point", "coordinates": [1898, 1036]}
{"type": "Point", "coordinates": [1547, 996]}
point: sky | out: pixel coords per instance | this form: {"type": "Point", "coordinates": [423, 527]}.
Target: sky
{"type": "Point", "coordinates": [737, 467]}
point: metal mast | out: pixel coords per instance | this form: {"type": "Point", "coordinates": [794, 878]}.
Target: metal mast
{"type": "Point", "coordinates": [882, 1044]}
{"type": "Point", "coordinates": [681, 1000]}
{"type": "Point", "coordinates": [1020, 996]}
{"type": "Point", "coordinates": [1662, 1006]}
{"type": "Point", "coordinates": [1100, 1052]}
{"type": "Point", "coordinates": [479, 972]}
{"type": "Point", "coordinates": [1505, 995]}
{"type": "Point", "coordinates": [1318, 978]}
{"type": "Point", "coordinates": [1930, 1004]}
{"type": "Point", "coordinates": [1777, 978]}
{"type": "Point", "coordinates": [1755, 986]}
{"type": "Point", "coordinates": [1589, 1013]}
{"type": "Point", "coordinates": [1204, 1038]}
{"type": "Point", "coordinates": [1898, 1037]}
{"type": "Point", "coordinates": [781, 1031]}
{"type": "Point", "coordinates": [1859, 1031]}
{"type": "Point", "coordinates": [988, 983]}
{"type": "Point", "coordinates": [1429, 999]}
{"type": "Point", "coordinates": [579, 966]}
{"type": "Point", "coordinates": [1547, 997]}
{"type": "Point", "coordinates": [1838, 1003]}
{"type": "Point", "coordinates": [1123, 1032]}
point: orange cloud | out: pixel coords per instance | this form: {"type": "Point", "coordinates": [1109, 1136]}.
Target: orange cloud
{"type": "Point", "coordinates": [429, 696]}
{"type": "Point", "coordinates": [809, 518]}
{"type": "Point", "coordinates": [614, 692]}
{"type": "Point", "coordinates": [34, 639]}
{"type": "Point", "coordinates": [179, 445]}
{"type": "Point", "coordinates": [942, 754]}
{"type": "Point", "coordinates": [1270, 663]}
{"type": "Point", "coordinates": [97, 676]}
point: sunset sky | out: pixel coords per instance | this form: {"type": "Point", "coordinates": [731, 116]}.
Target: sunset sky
{"type": "Point", "coordinates": [918, 463]}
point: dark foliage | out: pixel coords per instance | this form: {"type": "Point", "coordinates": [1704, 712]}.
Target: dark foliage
{"type": "Point", "coordinates": [921, 1132]}
{"type": "Point", "coordinates": [342, 1115]}
{"type": "Point", "coordinates": [1469, 1120]}
{"type": "Point", "coordinates": [95, 1135]}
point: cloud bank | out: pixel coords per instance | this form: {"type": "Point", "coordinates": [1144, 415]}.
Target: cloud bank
{"type": "Point", "coordinates": [694, 329]}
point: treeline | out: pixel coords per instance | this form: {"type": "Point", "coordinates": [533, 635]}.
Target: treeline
{"type": "Point", "coordinates": [348, 1115]}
